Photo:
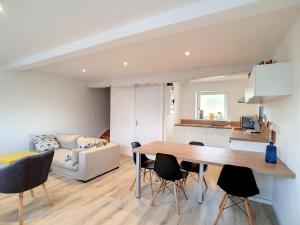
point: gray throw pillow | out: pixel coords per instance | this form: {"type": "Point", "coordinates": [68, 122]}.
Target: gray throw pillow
{"type": "Point", "coordinates": [67, 141]}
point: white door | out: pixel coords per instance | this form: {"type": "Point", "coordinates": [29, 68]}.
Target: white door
{"type": "Point", "coordinates": [149, 113]}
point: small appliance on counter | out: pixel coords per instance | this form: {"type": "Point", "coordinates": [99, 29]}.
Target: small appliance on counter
{"type": "Point", "coordinates": [271, 153]}
{"type": "Point", "coordinates": [246, 123]}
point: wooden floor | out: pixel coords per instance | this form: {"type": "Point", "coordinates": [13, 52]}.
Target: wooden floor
{"type": "Point", "coordinates": [107, 200]}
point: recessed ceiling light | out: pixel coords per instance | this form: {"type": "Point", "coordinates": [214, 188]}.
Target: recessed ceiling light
{"type": "Point", "coordinates": [187, 53]}
{"type": "Point", "coordinates": [1, 9]}
{"type": "Point", "coordinates": [125, 63]}
{"type": "Point", "coordinates": [83, 70]}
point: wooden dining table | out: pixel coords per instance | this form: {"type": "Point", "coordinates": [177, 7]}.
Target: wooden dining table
{"type": "Point", "coordinates": [210, 156]}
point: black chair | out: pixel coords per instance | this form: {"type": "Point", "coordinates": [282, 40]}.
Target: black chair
{"type": "Point", "coordinates": [146, 164]}
{"type": "Point", "coordinates": [168, 169]}
{"type": "Point", "coordinates": [24, 175]}
{"type": "Point", "coordinates": [193, 168]}
{"type": "Point", "coordinates": [237, 181]}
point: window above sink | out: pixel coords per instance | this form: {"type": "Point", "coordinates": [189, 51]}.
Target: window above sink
{"type": "Point", "coordinates": [211, 105]}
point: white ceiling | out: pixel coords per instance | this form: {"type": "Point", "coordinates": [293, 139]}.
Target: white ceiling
{"type": "Point", "coordinates": [62, 37]}
{"type": "Point", "coordinates": [30, 26]}
{"type": "Point", "coordinates": [245, 41]}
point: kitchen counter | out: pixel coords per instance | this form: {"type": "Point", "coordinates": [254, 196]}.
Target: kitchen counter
{"type": "Point", "coordinates": [252, 137]}
{"type": "Point", "coordinates": [203, 125]}
{"type": "Point", "coordinates": [220, 124]}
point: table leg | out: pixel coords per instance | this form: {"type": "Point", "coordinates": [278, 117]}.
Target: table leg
{"type": "Point", "coordinates": [138, 176]}
{"type": "Point", "coordinates": [200, 184]}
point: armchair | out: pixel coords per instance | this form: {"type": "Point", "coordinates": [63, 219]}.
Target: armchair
{"type": "Point", "coordinates": [25, 175]}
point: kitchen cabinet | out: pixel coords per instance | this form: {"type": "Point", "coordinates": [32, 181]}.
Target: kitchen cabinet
{"type": "Point", "coordinates": [184, 134]}
{"type": "Point", "coordinates": [216, 137]}
{"type": "Point", "coordinates": [268, 82]}
{"type": "Point", "coordinates": [213, 137]}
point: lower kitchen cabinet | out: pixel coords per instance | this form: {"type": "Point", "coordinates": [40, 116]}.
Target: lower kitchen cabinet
{"type": "Point", "coordinates": [213, 137]}
{"type": "Point", "coordinates": [217, 137]}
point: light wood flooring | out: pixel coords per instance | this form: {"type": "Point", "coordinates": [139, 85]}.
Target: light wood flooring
{"type": "Point", "coordinates": [107, 200]}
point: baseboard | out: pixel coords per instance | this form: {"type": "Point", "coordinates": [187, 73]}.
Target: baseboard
{"type": "Point", "coordinates": [261, 200]}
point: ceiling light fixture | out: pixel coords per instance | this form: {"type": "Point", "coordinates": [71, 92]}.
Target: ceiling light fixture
{"type": "Point", "coordinates": [187, 53]}
{"type": "Point", "coordinates": [83, 70]}
{"type": "Point", "coordinates": [125, 63]}
{"type": "Point", "coordinates": [1, 9]}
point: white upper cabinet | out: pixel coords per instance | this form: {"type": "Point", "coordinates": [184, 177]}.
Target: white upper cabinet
{"type": "Point", "coordinates": [268, 82]}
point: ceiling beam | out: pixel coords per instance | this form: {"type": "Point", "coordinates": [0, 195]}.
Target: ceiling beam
{"type": "Point", "coordinates": [128, 33]}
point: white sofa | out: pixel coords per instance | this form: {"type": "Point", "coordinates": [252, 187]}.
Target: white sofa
{"type": "Point", "coordinates": [91, 163]}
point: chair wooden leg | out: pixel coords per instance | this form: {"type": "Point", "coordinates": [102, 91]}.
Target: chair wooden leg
{"type": "Point", "coordinates": [132, 184]}
{"type": "Point", "coordinates": [250, 208]}
{"type": "Point", "coordinates": [154, 197]}
{"type": "Point", "coordinates": [223, 199]}
{"type": "Point", "coordinates": [176, 199]}
{"type": "Point", "coordinates": [32, 194]}
{"type": "Point", "coordinates": [46, 193]}
{"type": "Point", "coordinates": [205, 182]}
{"type": "Point", "coordinates": [144, 175]}
{"type": "Point", "coordinates": [21, 218]}
{"type": "Point", "coordinates": [164, 186]}
{"type": "Point", "coordinates": [221, 209]}
{"type": "Point", "coordinates": [249, 213]}
{"type": "Point", "coordinates": [150, 174]}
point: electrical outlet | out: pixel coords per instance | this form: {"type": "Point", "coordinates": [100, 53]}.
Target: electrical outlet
{"type": "Point", "coordinates": [278, 129]}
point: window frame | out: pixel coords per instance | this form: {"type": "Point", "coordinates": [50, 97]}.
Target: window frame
{"type": "Point", "coordinates": [197, 102]}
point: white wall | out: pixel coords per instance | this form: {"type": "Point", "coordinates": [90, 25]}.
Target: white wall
{"type": "Point", "coordinates": [234, 88]}
{"type": "Point", "coordinates": [285, 113]}
{"type": "Point", "coordinates": [38, 104]}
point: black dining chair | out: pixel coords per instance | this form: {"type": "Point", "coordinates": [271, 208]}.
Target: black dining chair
{"type": "Point", "coordinates": [168, 169]}
{"type": "Point", "coordinates": [147, 166]}
{"type": "Point", "coordinates": [237, 181]}
{"type": "Point", "coordinates": [24, 175]}
{"type": "Point", "coordinates": [193, 168]}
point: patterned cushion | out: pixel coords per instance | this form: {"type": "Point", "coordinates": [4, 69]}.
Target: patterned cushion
{"type": "Point", "coordinates": [43, 143]}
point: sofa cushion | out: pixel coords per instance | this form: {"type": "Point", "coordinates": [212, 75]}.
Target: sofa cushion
{"type": "Point", "coordinates": [43, 143]}
{"type": "Point", "coordinates": [59, 160]}
{"type": "Point", "coordinates": [75, 154]}
{"type": "Point", "coordinates": [89, 142]}
{"type": "Point", "coordinates": [67, 141]}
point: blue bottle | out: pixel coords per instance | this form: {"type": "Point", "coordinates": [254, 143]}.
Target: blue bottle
{"type": "Point", "coordinates": [271, 153]}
